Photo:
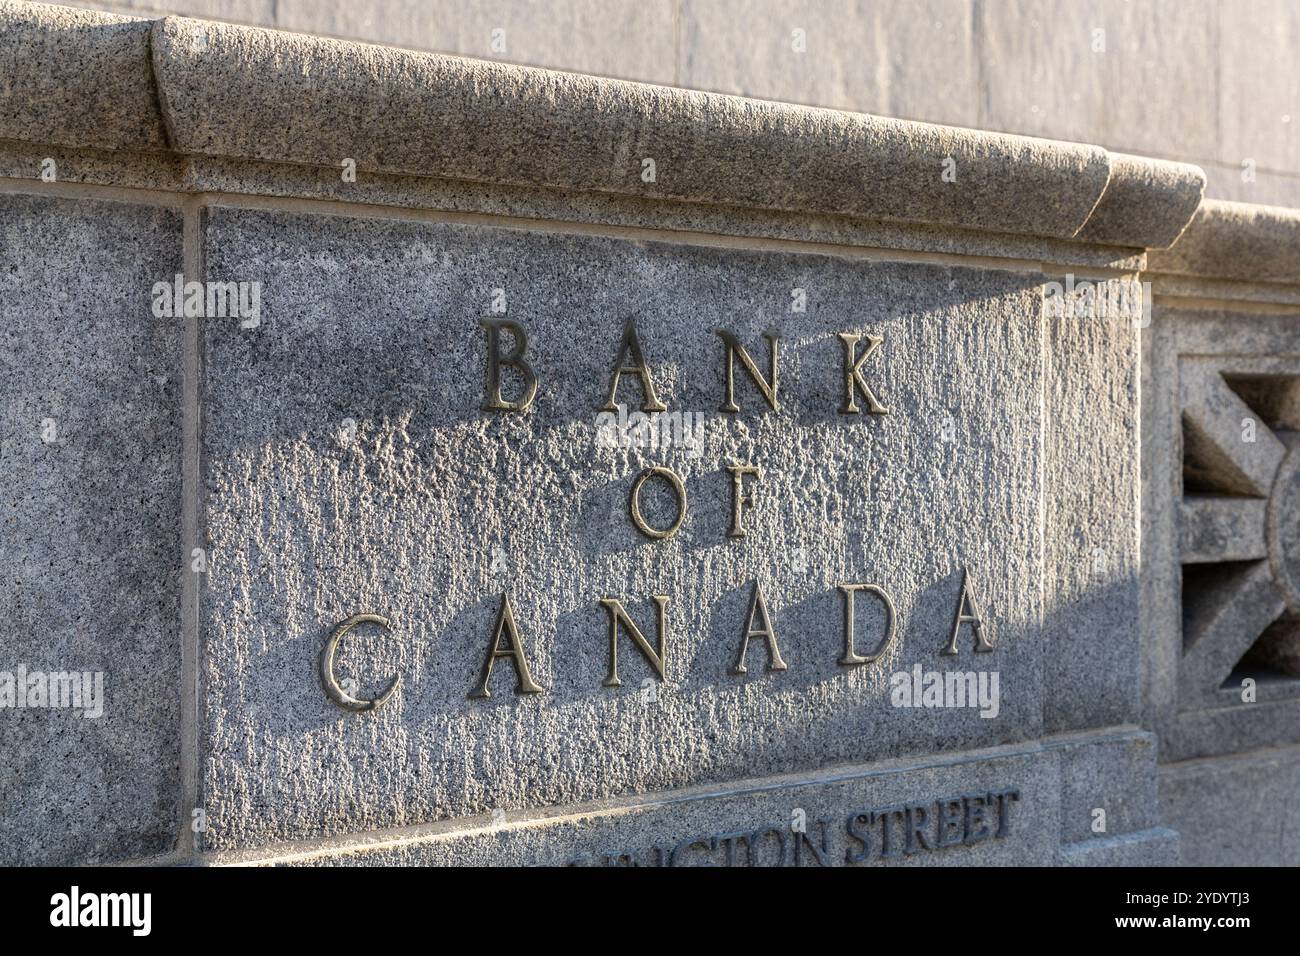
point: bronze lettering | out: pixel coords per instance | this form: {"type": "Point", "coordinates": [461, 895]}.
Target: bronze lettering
{"type": "Point", "coordinates": [515, 651]}
{"type": "Point", "coordinates": [851, 657]}
{"type": "Point", "coordinates": [820, 854]}
{"type": "Point", "coordinates": [853, 380]}
{"type": "Point", "coordinates": [918, 818]}
{"type": "Point", "coordinates": [855, 826]}
{"type": "Point", "coordinates": [755, 845]}
{"type": "Point", "coordinates": [927, 826]}
{"type": "Point", "coordinates": [757, 606]}
{"type": "Point", "coordinates": [329, 679]}
{"type": "Point", "coordinates": [977, 827]}
{"type": "Point", "coordinates": [949, 831]}
{"type": "Point", "coordinates": [630, 344]}
{"type": "Point", "coordinates": [494, 402]}
{"type": "Point", "coordinates": [1004, 820]}
{"type": "Point", "coordinates": [888, 848]}
{"type": "Point", "coordinates": [705, 842]}
{"type": "Point", "coordinates": [738, 497]}
{"type": "Point", "coordinates": [634, 502]}
{"type": "Point", "coordinates": [734, 348]}
{"type": "Point", "coordinates": [617, 616]}
{"type": "Point", "coordinates": [971, 617]}
{"type": "Point", "coordinates": [729, 841]}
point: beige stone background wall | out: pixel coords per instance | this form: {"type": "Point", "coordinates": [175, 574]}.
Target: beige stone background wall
{"type": "Point", "coordinates": [1214, 82]}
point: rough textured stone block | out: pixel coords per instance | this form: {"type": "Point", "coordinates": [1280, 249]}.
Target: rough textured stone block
{"type": "Point", "coordinates": [257, 94]}
{"type": "Point", "coordinates": [1093, 661]}
{"type": "Point", "coordinates": [90, 558]}
{"type": "Point", "coordinates": [1220, 486]}
{"type": "Point", "coordinates": [1236, 241]}
{"type": "Point", "coordinates": [241, 93]}
{"type": "Point", "coordinates": [1161, 196]}
{"type": "Point", "coordinates": [349, 468]}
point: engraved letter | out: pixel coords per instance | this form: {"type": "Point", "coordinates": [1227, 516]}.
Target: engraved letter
{"type": "Point", "coordinates": [853, 380]}
{"type": "Point", "coordinates": [851, 657]}
{"type": "Point", "coordinates": [679, 489]}
{"type": "Point", "coordinates": [1002, 796]}
{"type": "Point", "coordinates": [494, 402]}
{"type": "Point", "coordinates": [330, 682]}
{"type": "Point", "coordinates": [820, 854]}
{"type": "Point", "coordinates": [758, 606]}
{"type": "Point", "coordinates": [649, 402]}
{"type": "Point", "coordinates": [855, 826]}
{"type": "Point", "coordinates": [977, 818]}
{"type": "Point", "coordinates": [966, 614]}
{"type": "Point", "coordinates": [949, 833]}
{"type": "Point", "coordinates": [738, 497]}
{"type": "Point", "coordinates": [515, 651]}
{"type": "Point", "coordinates": [734, 348]}
{"type": "Point", "coordinates": [619, 616]}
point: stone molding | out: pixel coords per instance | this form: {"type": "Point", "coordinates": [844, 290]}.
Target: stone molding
{"type": "Point", "coordinates": [200, 88]}
{"type": "Point", "coordinates": [1233, 240]}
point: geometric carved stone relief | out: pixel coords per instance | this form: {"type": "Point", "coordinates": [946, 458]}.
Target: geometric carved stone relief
{"type": "Point", "coordinates": [1239, 530]}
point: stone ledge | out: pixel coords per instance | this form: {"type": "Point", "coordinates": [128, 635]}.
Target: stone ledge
{"type": "Point", "coordinates": [228, 91]}
{"type": "Point", "coordinates": [1232, 240]}
{"type": "Point", "coordinates": [1157, 846]}
{"type": "Point", "coordinates": [73, 77]}
{"type": "Point", "coordinates": [1147, 202]}
{"type": "Point", "coordinates": [594, 833]}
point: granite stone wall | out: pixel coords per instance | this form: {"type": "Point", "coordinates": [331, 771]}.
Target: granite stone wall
{"type": "Point", "coordinates": [416, 459]}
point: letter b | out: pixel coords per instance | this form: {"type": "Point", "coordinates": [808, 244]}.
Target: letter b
{"type": "Point", "coordinates": [515, 359]}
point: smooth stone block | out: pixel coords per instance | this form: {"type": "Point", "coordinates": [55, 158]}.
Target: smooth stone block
{"type": "Point", "coordinates": [1237, 810]}
{"type": "Point", "coordinates": [1146, 84]}
{"type": "Point", "coordinates": [90, 560]}
{"type": "Point", "coordinates": [1231, 181]}
{"type": "Point", "coordinates": [1259, 89]}
{"type": "Point", "coordinates": [1108, 784]}
{"type": "Point", "coordinates": [350, 468]}
{"type": "Point", "coordinates": [914, 60]}
{"type": "Point", "coordinates": [632, 39]}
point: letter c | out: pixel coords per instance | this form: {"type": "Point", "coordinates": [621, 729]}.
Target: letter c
{"type": "Point", "coordinates": [330, 682]}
